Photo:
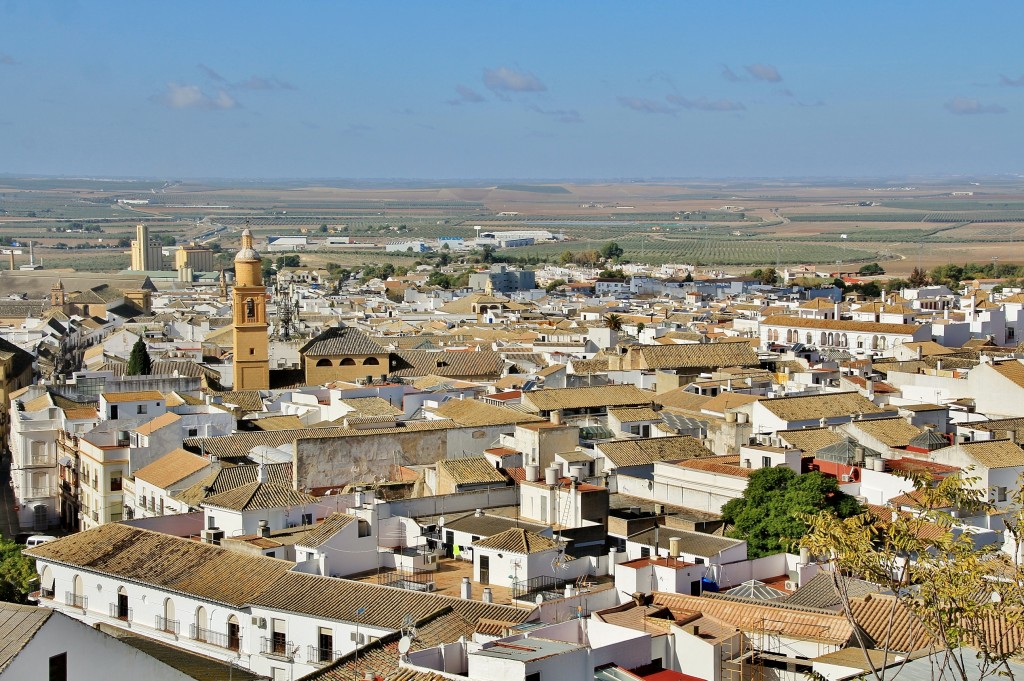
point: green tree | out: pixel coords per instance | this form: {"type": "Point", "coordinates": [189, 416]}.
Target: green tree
{"type": "Point", "coordinates": [567, 258]}
{"type": "Point", "coordinates": [323, 228]}
{"type": "Point", "coordinates": [769, 276]}
{"type": "Point", "coordinates": [139, 363]}
{"type": "Point", "coordinates": [918, 278]}
{"type": "Point", "coordinates": [16, 573]}
{"type": "Point", "coordinates": [772, 512]}
{"type": "Point", "coordinates": [871, 269]}
{"type": "Point", "coordinates": [552, 285]}
{"type": "Point", "coordinates": [611, 251]}
{"type": "Point", "coordinates": [614, 321]}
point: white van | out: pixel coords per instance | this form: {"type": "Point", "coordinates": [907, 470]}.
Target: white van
{"type": "Point", "coordinates": [37, 539]}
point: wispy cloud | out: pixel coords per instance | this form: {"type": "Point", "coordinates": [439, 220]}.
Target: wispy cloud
{"type": "Point", "coordinates": [729, 74]}
{"type": "Point", "coordinates": [190, 96]}
{"type": "Point", "coordinates": [8, 60]}
{"type": "Point", "coordinates": [466, 95]}
{"type": "Point", "coordinates": [1011, 82]}
{"type": "Point", "coordinates": [211, 74]}
{"type": "Point", "coordinates": [966, 106]}
{"type": "Point", "coordinates": [561, 115]}
{"type": "Point", "coordinates": [705, 104]}
{"type": "Point", "coordinates": [506, 79]}
{"type": "Point", "coordinates": [765, 72]}
{"type": "Point", "coordinates": [264, 83]}
{"type": "Point", "coordinates": [644, 105]}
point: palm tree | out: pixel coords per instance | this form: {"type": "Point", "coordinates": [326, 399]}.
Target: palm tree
{"type": "Point", "coordinates": [613, 321]}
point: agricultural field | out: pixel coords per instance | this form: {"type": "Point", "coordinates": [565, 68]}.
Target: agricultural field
{"type": "Point", "coordinates": [735, 225]}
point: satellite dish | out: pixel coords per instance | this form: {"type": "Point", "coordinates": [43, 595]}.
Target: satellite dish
{"type": "Point", "coordinates": [539, 600]}
{"type": "Point", "coordinates": [404, 644]}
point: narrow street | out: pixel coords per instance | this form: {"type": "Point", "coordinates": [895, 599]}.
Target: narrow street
{"type": "Point", "coordinates": [8, 519]}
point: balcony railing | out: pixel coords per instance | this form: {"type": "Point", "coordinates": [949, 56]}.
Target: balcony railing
{"type": "Point", "coordinates": [277, 647]}
{"type": "Point", "coordinates": [37, 492]}
{"type": "Point", "coordinates": [46, 593]}
{"type": "Point", "coordinates": [95, 516]}
{"type": "Point", "coordinates": [214, 638]}
{"type": "Point", "coordinates": [76, 601]}
{"type": "Point", "coordinates": [318, 655]}
{"type": "Point", "coordinates": [170, 626]}
{"type": "Point", "coordinates": [41, 460]}
{"type": "Point", "coordinates": [119, 613]}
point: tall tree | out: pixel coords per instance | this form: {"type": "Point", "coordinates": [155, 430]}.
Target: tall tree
{"type": "Point", "coordinates": [613, 321]}
{"type": "Point", "coordinates": [139, 363]}
{"type": "Point", "coordinates": [770, 514]}
{"type": "Point", "coordinates": [963, 593]}
{"type": "Point", "coordinates": [918, 278]}
{"type": "Point", "coordinates": [16, 572]}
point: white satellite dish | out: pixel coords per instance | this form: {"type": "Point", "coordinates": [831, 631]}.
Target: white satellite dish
{"type": "Point", "coordinates": [404, 644]}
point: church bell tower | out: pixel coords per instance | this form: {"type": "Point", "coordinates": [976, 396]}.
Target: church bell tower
{"type": "Point", "coordinates": [249, 326]}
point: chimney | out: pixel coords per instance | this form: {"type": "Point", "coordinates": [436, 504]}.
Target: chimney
{"type": "Point", "coordinates": [556, 417]}
{"type": "Point", "coordinates": [695, 630]}
{"type": "Point", "coordinates": [479, 513]}
{"type": "Point", "coordinates": [920, 351]}
{"type": "Point", "coordinates": [488, 595]}
{"type": "Point", "coordinates": [261, 474]}
{"type": "Point", "coordinates": [673, 547]}
{"type": "Point", "coordinates": [264, 528]}
{"type": "Point", "coordinates": [467, 589]}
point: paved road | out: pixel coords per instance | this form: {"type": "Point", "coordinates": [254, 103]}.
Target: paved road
{"type": "Point", "coordinates": [8, 519]}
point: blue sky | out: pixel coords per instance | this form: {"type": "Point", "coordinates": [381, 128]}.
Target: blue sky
{"type": "Point", "coordinates": [500, 89]}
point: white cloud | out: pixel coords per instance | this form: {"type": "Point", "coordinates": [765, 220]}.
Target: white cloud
{"type": "Point", "coordinates": [264, 83]}
{"type": "Point", "coordinates": [643, 105]}
{"type": "Point", "coordinates": [189, 96]}
{"type": "Point", "coordinates": [705, 104]}
{"type": "Point", "coordinates": [467, 95]}
{"type": "Point", "coordinates": [8, 60]}
{"type": "Point", "coordinates": [764, 72]}
{"type": "Point", "coordinates": [966, 106]}
{"type": "Point", "coordinates": [505, 79]}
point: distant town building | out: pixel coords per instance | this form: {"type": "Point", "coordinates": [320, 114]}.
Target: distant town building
{"type": "Point", "coordinates": [277, 244]}
{"type": "Point", "coordinates": [147, 255]}
{"type": "Point", "coordinates": [500, 279]}
{"type": "Point", "coordinates": [194, 257]}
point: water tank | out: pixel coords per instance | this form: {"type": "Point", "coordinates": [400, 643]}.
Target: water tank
{"type": "Point", "coordinates": [551, 475]}
{"type": "Point", "coordinates": [532, 472]}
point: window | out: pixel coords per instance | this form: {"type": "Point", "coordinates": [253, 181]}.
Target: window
{"type": "Point", "coordinates": [347, 362]}
{"type": "Point", "coordinates": [371, 361]}
{"type": "Point", "coordinates": [364, 528]}
{"type": "Point", "coordinates": [278, 637]}
{"type": "Point", "coordinates": [645, 551]}
{"type": "Point", "coordinates": [193, 432]}
{"type": "Point", "coordinates": [1000, 494]}
{"type": "Point", "coordinates": [766, 462]}
{"type": "Point", "coordinates": [307, 518]}
{"type": "Point", "coordinates": [533, 677]}
{"type": "Point", "coordinates": [115, 482]}
{"type": "Point", "coordinates": [211, 522]}
{"type": "Point", "coordinates": [142, 409]}
{"type": "Point", "coordinates": [323, 362]}
{"type": "Point", "coordinates": [252, 351]}
{"type": "Point", "coordinates": [59, 667]}
{"type": "Point", "coordinates": [326, 644]}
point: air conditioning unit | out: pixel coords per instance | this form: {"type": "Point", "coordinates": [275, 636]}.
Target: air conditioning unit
{"type": "Point", "coordinates": [430, 559]}
{"type": "Point", "coordinates": [845, 477]}
{"type": "Point", "coordinates": [430, 586]}
{"type": "Point", "coordinates": [790, 585]}
{"type": "Point", "coordinates": [358, 639]}
{"type": "Point", "coordinates": [259, 622]}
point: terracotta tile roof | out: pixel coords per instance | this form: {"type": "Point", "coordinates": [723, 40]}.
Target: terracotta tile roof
{"type": "Point", "coordinates": [810, 440]}
{"type": "Point", "coordinates": [720, 465]}
{"type": "Point", "coordinates": [415, 363]}
{"type": "Point", "coordinates": [692, 543]}
{"type": "Point", "coordinates": [471, 470]}
{"type": "Point", "coordinates": [385, 606]}
{"type": "Point", "coordinates": [627, 414]}
{"type": "Point", "coordinates": [680, 399]}
{"type": "Point", "coordinates": [589, 397]}
{"type": "Point", "coordinates": [820, 591]}
{"type": "Point", "coordinates": [595, 365]}
{"type": "Point", "coordinates": [758, 618]}
{"type": "Point", "coordinates": [81, 413]}
{"type": "Point", "coordinates": [474, 413]}
{"type": "Point", "coordinates": [886, 621]}
{"type": "Point", "coordinates": [840, 325]}
{"type": "Point", "coordinates": [995, 453]}
{"type": "Point", "coordinates": [372, 406]}
{"type": "Point", "coordinates": [162, 421]}
{"type": "Point", "coordinates": [171, 467]}
{"type": "Point", "coordinates": [517, 540]}
{"type": "Point", "coordinates": [325, 529]}
{"type": "Point", "coordinates": [895, 432]}
{"type": "Point", "coordinates": [342, 340]}
{"type": "Point", "coordinates": [697, 355]}
{"type": "Point", "coordinates": [259, 495]}
{"type": "Point", "coordinates": [137, 396]}
{"type": "Point", "coordinates": [625, 453]}
{"type": "Point", "coordinates": [1012, 371]}
{"type": "Point", "coordinates": [245, 400]}
{"type": "Point", "coordinates": [724, 401]}
{"type": "Point", "coordinates": [815, 407]}
{"type": "Point", "coordinates": [225, 478]}
{"type": "Point", "coordinates": [283, 422]}
{"type": "Point", "coordinates": [162, 560]}
{"type": "Point", "coordinates": [18, 624]}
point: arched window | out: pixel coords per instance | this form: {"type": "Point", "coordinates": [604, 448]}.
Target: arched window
{"type": "Point", "coordinates": [831, 339]}
{"type": "Point", "coordinates": [76, 597]}
{"type": "Point", "coordinates": [347, 362]}
{"type": "Point", "coordinates": [234, 634]}
{"type": "Point", "coordinates": [874, 342]}
{"type": "Point", "coordinates": [810, 338]}
{"type": "Point", "coordinates": [169, 623]}
{"type": "Point", "coordinates": [881, 342]}
{"type": "Point", "coordinates": [120, 609]}
{"type": "Point", "coordinates": [200, 626]}
{"type": "Point", "coordinates": [46, 583]}
{"type": "Point", "coordinates": [824, 338]}
{"type": "Point", "coordinates": [371, 361]}
{"type": "Point", "coordinates": [323, 362]}
{"type": "Point", "coordinates": [844, 341]}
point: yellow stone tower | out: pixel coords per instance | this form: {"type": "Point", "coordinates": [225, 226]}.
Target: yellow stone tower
{"type": "Point", "coordinates": [249, 328]}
